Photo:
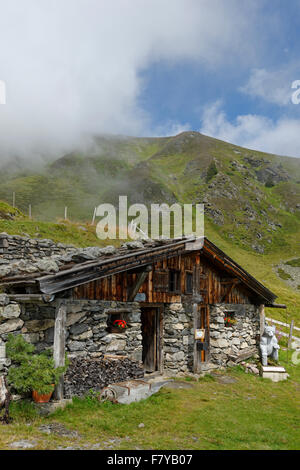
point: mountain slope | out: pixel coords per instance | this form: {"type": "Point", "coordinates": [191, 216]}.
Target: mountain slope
{"type": "Point", "coordinates": [251, 197]}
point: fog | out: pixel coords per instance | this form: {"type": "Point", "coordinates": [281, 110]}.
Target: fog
{"type": "Point", "coordinates": [72, 68]}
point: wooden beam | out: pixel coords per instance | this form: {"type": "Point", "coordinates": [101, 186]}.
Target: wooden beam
{"type": "Point", "coordinates": [262, 319]}
{"type": "Point", "coordinates": [23, 298]}
{"type": "Point", "coordinates": [196, 358]}
{"type": "Point", "coordinates": [59, 345]}
{"type": "Point", "coordinates": [230, 281]}
{"type": "Point", "coordinates": [291, 334]}
{"type": "Point", "coordinates": [139, 281]}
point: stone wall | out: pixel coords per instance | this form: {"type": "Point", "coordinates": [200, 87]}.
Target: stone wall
{"type": "Point", "coordinates": [86, 332]}
{"type": "Point", "coordinates": [15, 247]}
{"type": "Point", "coordinates": [227, 341]}
{"type": "Point", "coordinates": [178, 339]}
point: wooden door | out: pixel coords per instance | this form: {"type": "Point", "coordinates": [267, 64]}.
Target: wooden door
{"type": "Point", "coordinates": [150, 318]}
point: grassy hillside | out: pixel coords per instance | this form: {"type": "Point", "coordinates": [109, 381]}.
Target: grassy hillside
{"type": "Point", "coordinates": [14, 222]}
{"type": "Point", "coordinates": [252, 199]}
{"type": "Point", "coordinates": [246, 412]}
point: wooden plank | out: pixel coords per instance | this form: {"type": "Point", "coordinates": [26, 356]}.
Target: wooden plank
{"type": "Point", "coordinates": [114, 357]}
{"type": "Point", "coordinates": [141, 277]}
{"type": "Point", "coordinates": [29, 298]}
{"type": "Point", "coordinates": [225, 297]}
{"type": "Point", "coordinates": [291, 334]}
{"type": "Point", "coordinates": [286, 335]}
{"type": "Point", "coordinates": [149, 333]}
{"type": "Point", "coordinates": [287, 325]}
{"type": "Point", "coordinates": [59, 345]}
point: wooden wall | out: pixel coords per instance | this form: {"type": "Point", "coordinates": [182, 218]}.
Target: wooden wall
{"type": "Point", "coordinates": [209, 281]}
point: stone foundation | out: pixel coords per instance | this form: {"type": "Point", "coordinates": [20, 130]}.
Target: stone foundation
{"type": "Point", "coordinates": [88, 335]}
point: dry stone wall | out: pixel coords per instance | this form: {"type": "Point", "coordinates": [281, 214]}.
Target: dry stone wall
{"type": "Point", "coordinates": [178, 340]}
{"type": "Point", "coordinates": [23, 255]}
{"type": "Point", "coordinates": [87, 332]}
{"type": "Point", "coordinates": [15, 247]}
{"type": "Point", "coordinates": [227, 342]}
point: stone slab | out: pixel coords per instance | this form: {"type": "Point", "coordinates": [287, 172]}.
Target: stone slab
{"type": "Point", "coordinates": [273, 369]}
{"type": "Point", "coordinates": [276, 374]}
{"type": "Point", "coordinates": [45, 409]}
{"type": "Point", "coordinates": [131, 391]}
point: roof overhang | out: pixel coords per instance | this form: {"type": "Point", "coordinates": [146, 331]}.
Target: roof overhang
{"type": "Point", "coordinates": [96, 269]}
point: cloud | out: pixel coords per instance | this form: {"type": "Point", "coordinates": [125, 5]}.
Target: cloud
{"type": "Point", "coordinates": [72, 67]}
{"type": "Point", "coordinates": [253, 131]}
{"type": "Point", "coordinates": [272, 86]}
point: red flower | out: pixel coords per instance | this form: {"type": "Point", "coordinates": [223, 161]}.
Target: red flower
{"type": "Point", "coordinates": [120, 323]}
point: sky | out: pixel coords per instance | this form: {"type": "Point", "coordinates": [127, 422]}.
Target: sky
{"type": "Point", "coordinates": [76, 68]}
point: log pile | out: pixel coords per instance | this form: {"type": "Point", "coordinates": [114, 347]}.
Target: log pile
{"type": "Point", "coordinates": [85, 374]}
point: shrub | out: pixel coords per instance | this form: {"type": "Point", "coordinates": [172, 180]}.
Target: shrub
{"type": "Point", "coordinates": [31, 371]}
{"type": "Point", "coordinates": [211, 171]}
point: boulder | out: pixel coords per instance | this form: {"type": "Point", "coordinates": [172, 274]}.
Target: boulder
{"type": "Point", "coordinates": [10, 311]}
{"type": "Point", "coordinates": [11, 325]}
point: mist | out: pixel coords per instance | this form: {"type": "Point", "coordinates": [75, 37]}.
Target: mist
{"type": "Point", "coordinates": [72, 68]}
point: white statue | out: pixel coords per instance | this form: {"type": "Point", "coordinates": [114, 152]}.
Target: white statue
{"type": "Point", "coordinates": [269, 345]}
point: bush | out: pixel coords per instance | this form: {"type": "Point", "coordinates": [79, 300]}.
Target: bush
{"type": "Point", "coordinates": [31, 371]}
{"type": "Point", "coordinates": [211, 171]}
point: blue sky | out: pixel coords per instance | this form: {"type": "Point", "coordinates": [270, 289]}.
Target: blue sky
{"type": "Point", "coordinates": [181, 92]}
{"type": "Point", "coordinates": [76, 68]}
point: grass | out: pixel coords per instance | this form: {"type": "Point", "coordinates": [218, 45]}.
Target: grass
{"type": "Point", "coordinates": [252, 413]}
{"type": "Point", "coordinates": [262, 267]}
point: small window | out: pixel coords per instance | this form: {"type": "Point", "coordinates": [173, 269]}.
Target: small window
{"type": "Point", "coordinates": [160, 280]}
{"type": "Point", "coordinates": [174, 281]}
{"type": "Point", "coordinates": [229, 319]}
{"type": "Point", "coordinates": [117, 322]}
{"type": "Point", "coordinates": [188, 282]}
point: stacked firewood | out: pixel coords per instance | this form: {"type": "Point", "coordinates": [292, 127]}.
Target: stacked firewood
{"type": "Point", "coordinates": [84, 375]}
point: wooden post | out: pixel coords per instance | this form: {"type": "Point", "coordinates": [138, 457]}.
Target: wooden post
{"type": "Point", "coordinates": [262, 319]}
{"type": "Point", "coordinates": [291, 334]}
{"type": "Point", "coordinates": [59, 345]}
{"type": "Point", "coordinates": [29, 211]}
{"type": "Point", "coordinates": [14, 200]}
{"type": "Point", "coordinates": [196, 358]}
{"type": "Point", "coordinates": [66, 213]}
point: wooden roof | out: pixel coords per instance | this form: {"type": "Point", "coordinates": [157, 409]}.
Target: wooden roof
{"type": "Point", "coordinates": [133, 259]}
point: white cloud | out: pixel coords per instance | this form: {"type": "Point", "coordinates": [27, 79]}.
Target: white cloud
{"type": "Point", "coordinates": [253, 131]}
{"type": "Point", "coordinates": [72, 67]}
{"type": "Point", "coordinates": [273, 86]}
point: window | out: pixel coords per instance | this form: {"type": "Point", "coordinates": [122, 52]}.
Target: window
{"type": "Point", "coordinates": [188, 282]}
{"type": "Point", "coordinates": [174, 281]}
{"type": "Point", "coordinates": [117, 322]}
{"type": "Point", "coordinates": [160, 280]}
